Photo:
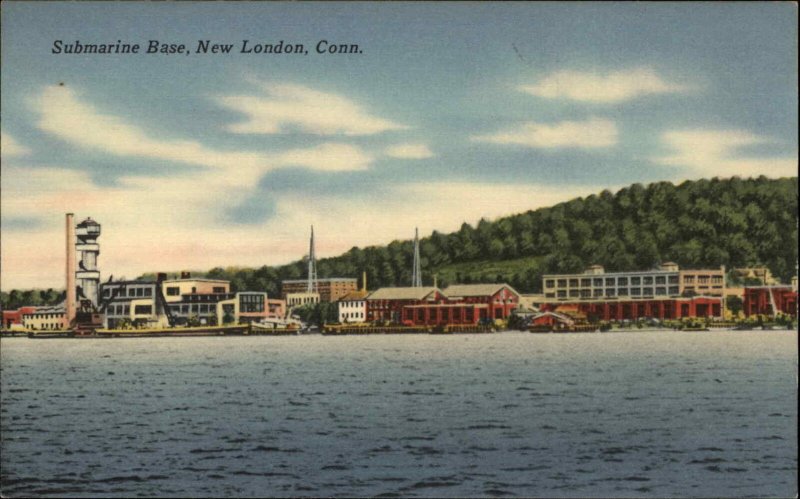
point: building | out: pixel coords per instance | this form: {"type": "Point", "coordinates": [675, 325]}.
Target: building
{"type": "Point", "coordinates": [46, 319]}
{"type": "Point", "coordinates": [300, 299]}
{"type": "Point", "coordinates": [175, 289]}
{"type": "Point", "coordinates": [136, 303]}
{"type": "Point", "coordinates": [655, 308]}
{"type": "Point", "coordinates": [500, 299]}
{"type": "Point", "coordinates": [13, 319]}
{"type": "Point", "coordinates": [770, 300]}
{"type": "Point", "coordinates": [247, 306]}
{"type": "Point", "coordinates": [330, 290]}
{"type": "Point", "coordinates": [443, 314]}
{"type": "Point", "coordinates": [87, 274]}
{"type": "Point", "coordinates": [667, 281]}
{"type": "Point", "coordinates": [353, 307]}
{"type": "Point", "coordinates": [386, 304]}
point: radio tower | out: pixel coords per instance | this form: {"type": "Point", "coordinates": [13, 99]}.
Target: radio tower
{"type": "Point", "coordinates": [416, 273]}
{"type": "Point", "coordinates": [312, 266]}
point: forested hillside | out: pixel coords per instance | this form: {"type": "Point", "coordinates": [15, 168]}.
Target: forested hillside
{"type": "Point", "coordinates": [705, 223]}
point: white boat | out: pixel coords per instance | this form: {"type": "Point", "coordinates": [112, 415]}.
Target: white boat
{"type": "Point", "coordinates": [276, 325]}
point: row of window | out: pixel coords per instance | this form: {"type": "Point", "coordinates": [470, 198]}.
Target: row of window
{"type": "Point", "coordinates": [202, 308]}
{"type": "Point", "coordinates": [131, 291]}
{"type": "Point", "coordinates": [176, 290]}
{"type": "Point", "coordinates": [42, 316]}
{"type": "Point", "coordinates": [611, 281]}
{"type": "Point", "coordinates": [353, 315]}
{"type": "Point", "coordinates": [351, 304]}
{"type": "Point", "coordinates": [611, 292]}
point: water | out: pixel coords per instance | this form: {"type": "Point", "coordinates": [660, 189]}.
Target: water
{"type": "Point", "coordinates": [512, 414]}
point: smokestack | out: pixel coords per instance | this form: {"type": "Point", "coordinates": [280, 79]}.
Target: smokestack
{"type": "Point", "coordinates": [69, 306]}
{"type": "Point", "coordinates": [364, 281]}
{"type": "Point", "coordinates": [160, 277]}
{"type": "Point", "coordinates": [435, 281]}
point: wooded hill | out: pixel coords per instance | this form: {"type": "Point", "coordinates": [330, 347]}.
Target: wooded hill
{"type": "Point", "coordinates": [706, 223]}
{"type": "Point", "coordinates": [697, 224]}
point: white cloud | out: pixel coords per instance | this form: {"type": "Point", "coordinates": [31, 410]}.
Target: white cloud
{"type": "Point", "coordinates": [327, 157]}
{"type": "Point", "coordinates": [10, 147]}
{"type": "Point", "coordinates": [588, 134]}
{"type": "Point", "coordinates": [287, 106]}
{"type": "Point", "coordinates": [409, 151]}
{"type": "Point", "coordinates": [65, 115]}
{"type": "Point", "coordinates": [608, 88]}
{"type": "Point", "coordinates": [709, 153]}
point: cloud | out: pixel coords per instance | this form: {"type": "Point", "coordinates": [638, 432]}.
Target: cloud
{"type": "Point", "coordinates": [10, 147]}
{"type": "Point", "coordinates": [608, 88]}
{"type": "Point", "coordinates": [709, 153]}
{"type": "Point", "coordinates": [284, 107]}
{"type": "Point", "coordinates": [65, 115]}
{"type": "Point", "coordinates": [589, 134]}
{"type": "Point", "coordinates": [327, 157]}
{"type": "Point", "coordinates": [409, 151]}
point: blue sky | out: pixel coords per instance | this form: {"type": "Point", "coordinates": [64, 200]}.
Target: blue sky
{"type": "Point", "coordinates": [450, 113]}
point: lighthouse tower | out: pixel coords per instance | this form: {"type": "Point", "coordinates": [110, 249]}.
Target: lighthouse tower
{"type": "Point", "coordinates": [87, 274]}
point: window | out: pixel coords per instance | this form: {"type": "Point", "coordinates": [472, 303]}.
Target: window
{"type": "Point", "coordinates": [647, 291]}
{"type": "Point", "coordinates": [648, 279]}
{"type": "Point", "coordinates": [661, 279]}
{"type": "Point", "coordinates": [562, 283]}
{"type": "Point", "coordinates": [598, 293]}
{"type": "Point", "coordinates": [573, 293]}
{"type": "Point", "coordinates": [573, 283]}
{"type": "Point", "coordinates": [610, 292]}
{"type": "Point", "coordinates": [673, 290]}
{"type": "Point", "coordinates": [673, 279]}
{"type": "Point", "coordinates": [139, 292]}
{"type": "Point", "coordinates": [635, 281]}
{"type": "Point", "coordinates": [131, 291]}
{"type": "Point", "coordinates": [194, 290]}
{"type": "Point", "coordinates": [549, 283]}
{"type": "Point", "coordinates": [622, 281]}
{"type": "Point", "coordinates": [143, 309]}
{"type": "Point", "coordinates": [661, 291]}
{"type": "Point", "coordinates": [173, 291]}
{"type": "Point", "coordinates": [562, 293]}
{"type": "Point", "coordinates": [148, 291]}
{"type": "Point", "coordinates": [689, 279]}
{"type": "Point", "coordinates": [598, 282]}
{"type": "Point", "coordinates": [586, 293]}
{"type": "Point", "coordinates": [586, 283]}
{"type": "Point", "coordinates": [636, 291]}
{"type": "Point", "coordinates": [609, 281]}
{"type": "Point", "coordinates": [622, 291]}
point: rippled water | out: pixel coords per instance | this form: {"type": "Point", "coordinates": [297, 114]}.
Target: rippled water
{"type": "Point", "coordinates": [611, 414]}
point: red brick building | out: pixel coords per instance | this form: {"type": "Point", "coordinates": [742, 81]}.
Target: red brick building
{"type": "Point", "coordinates": [14, 317]}
{"type": "Point", "coordinates": [768, 300]}
{"type": "Point", "coordinates": [500, 300]}
{"type": "Point", "coordinates": [386, 304]}
{"type": "Point", "coordinates": [670, 308]}
{"type": "Point", "coordinates": [443, 314]}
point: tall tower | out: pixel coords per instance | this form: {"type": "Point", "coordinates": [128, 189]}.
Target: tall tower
{"type": "Point", "coordinates": [69, 304]}
{"type": "Point", "coordinates": [312, 266]}
{"type": "Point", "coordinates": [88, 276]}
{"type": "Point", "coordinates": [416, 272]}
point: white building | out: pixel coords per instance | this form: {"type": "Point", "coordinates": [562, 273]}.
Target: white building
{"type": "Point", "coordinates": [353, 307]}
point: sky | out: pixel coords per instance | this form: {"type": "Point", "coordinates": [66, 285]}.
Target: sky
{"type": "Point", "coordinates": [445, 114]}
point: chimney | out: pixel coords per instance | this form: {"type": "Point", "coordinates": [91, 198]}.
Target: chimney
{"type": "Point", "coordinates": [69, 305]}
{"type": "Point", "coordinates": [435, 281]}
{"type": "Point", "coordinates": [364, 281]}
{"type": "Point", "coordinates": [160, 277]}
{"type": "Point", "coordinates": [186, 275]}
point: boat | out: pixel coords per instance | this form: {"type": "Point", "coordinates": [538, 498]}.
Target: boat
{"type": "Point", "coordinates": [276, 326]}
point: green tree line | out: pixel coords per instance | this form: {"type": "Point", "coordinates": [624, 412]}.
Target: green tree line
{"type": "Point", "coordinates": [705, 223]}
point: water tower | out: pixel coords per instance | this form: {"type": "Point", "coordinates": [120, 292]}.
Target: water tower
{"type": "Point", "coordinates": [87, 274]}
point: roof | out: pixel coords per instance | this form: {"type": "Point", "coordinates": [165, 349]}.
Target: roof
{"type": "Point", "coordinates": [561, 317]}
{"type": "Point", "coordinates": [354, 295]}
{"type": "Point", "coordinates": [327, 279]}
{"type": "Point", "coordinates": [194, 279]}
{"type": "Point", "coordinates": [476, 289]}
{"type": "Point", "coordinates": [409, 293]}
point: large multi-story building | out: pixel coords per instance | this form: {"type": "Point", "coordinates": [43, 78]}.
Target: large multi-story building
{"type": "Point", "coordinates": [770, 300]}
{"type": "Point", "coordinates": [139, 303]}
{"type": "Point", "coordinates": [353, 307]}
{"type": "Point", "coordinates": [665, 293]}
{"type": "Point", "coordinates": [667, 281]}
{"type": "Point", "coordinates": [330, 290]}
{"type": "Point", "coordinates": [13, 319]}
